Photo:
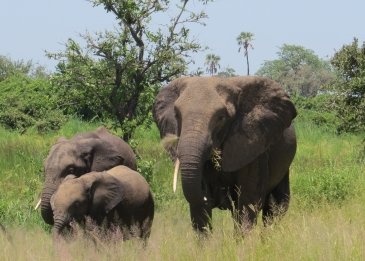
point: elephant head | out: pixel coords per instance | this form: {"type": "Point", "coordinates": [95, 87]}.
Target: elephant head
{"type": "Point", "coordinates": [239, 116]}
{"type": "Point", "coordinates": [94, 194]}
{"type": "Point", "coordinates": [91, 151]}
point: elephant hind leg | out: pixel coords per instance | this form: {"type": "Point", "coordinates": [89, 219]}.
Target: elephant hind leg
{"type": "Point", "coordinates": [277, 201]}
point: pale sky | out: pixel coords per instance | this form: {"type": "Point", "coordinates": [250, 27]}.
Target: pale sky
{"type": "Point", "coordinates": [28, 28]}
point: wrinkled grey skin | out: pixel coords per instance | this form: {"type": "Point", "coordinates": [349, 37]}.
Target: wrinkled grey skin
{"type": "Point", "coordinates": [119, 197]}
{"type": "Point", "coordinates": [90, 151]}
{"type": "Point", "coordinates": [247, 119]}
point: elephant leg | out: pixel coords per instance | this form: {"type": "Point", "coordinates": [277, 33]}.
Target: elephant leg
{"type": "Point", "coordinates": [277, 202]}
{"type": "Point", "coordinates": [245, 211]}
{"type": "Point", "coordinates": [201, 216]}
{"type": "Point", "coordinates": [250, 190]}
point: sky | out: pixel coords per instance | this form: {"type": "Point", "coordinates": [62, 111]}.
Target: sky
{"type": "Point", "coordinates": [29, 28]}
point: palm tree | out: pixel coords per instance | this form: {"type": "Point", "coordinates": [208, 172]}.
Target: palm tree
{"type": "Point", "coordinates": [244, 41]}
{"type": "Point", "coordinates": [212, 63]}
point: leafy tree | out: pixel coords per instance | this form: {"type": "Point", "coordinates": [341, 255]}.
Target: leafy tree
{"type": "Point", "coordinates": [299, 70]}
{"type": "Point", "coordinates": [244, 40]}
{"type": "Point", "coordinates": [349, 63]}
{"type": "Point", "coordinates": [119, 72]}
{"type": "Point", "coordinates": [227, 72]}
{"type": "Point", "coordinates": [9, 68]}
{"type": "Point", "coordinates": [212, 63]}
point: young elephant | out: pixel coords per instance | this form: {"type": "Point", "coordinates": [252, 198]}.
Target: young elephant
{"type": "Point", "coordinates": [121, 197]}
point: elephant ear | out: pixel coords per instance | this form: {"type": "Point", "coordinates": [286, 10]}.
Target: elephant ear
{"type": "Point", "coordinates": [106, 192]}
{"type": "Point", "coordinates": [264, 111]}
{"type": "Point", "coordinates": [163, 108]}
{"type": "Point", "coordinates": [99, 154]}
{"type": "Point", "coordinates": [164, 112]}
{"type": "Point", "coordinates": [61, 139]}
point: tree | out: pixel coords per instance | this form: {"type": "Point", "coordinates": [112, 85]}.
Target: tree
{"type": "Point", "coordinates": [299, 70]}
{"type": "Point", "coordinates": [227, 72]}
{"type": "Point", "coordinates": [9, 68]}
{"type": "Point", "coordinates": [119, 72]}
{"type": "Point", "coordinates": [244, 40]}
{"type": "Point", "coordinates": [212, 63]}
{"type": "Point", "coordinates": [349, 63]}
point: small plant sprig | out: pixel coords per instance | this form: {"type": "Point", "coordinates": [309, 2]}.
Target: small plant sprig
{"type": "Point", "coordinates": [216, 158]}
{"type": "Point", "coordinates": [170, 142]}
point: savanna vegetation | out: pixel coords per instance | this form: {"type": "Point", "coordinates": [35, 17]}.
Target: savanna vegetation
{"type": "Point", "coordinates": [324, 221]}
{"type": "Point", "coordinates": [112, 81]}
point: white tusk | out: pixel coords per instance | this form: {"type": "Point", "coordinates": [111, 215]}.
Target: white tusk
{"type": "Point", "coordinates": [38, 204]}
{"type": "Point", "coordinates": [176, 171]}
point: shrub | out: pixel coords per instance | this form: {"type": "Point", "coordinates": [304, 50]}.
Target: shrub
{"type": "Point", "coordinates": [27, 102]}
{"type": "Point", "coordinates": [323, 186]}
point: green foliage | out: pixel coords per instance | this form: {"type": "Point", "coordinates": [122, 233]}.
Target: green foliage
{"type": "Point", "coordinates": [155, 165]}
{"type": "Point", "coordinates": [9, 68]}
{"type": "Point", "coordinates": [327, 185]}
{"type": "Point", "coordinates": [326, 169]}
{"type": "Point", "coordinates": [118, 73]}
{"type": "Point", "coordinates": [349, 88]}
{"type": "Point", "coordinates": [299, 70]}
{"type": "Point", "coordinates": [317, 110]}
{"type": "Point", "coordinates": [227, 72]}
{"type": "Point", "coordinates": [21, 160]}
{"type": "Point", "coordinates": [27, 102]}
{"type": "Point", "coordinates": [327, 205]}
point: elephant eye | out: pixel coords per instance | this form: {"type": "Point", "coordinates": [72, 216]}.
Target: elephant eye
{"type": "Point", "coordinates": [221, 119]}
{"type": "Point", "coordinates": [71, 170]}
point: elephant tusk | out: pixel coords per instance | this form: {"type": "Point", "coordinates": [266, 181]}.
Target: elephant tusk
{"type": "Point", "coordinates": [176, 171]}
{"type": "Point", "coordinates": [38, 204]}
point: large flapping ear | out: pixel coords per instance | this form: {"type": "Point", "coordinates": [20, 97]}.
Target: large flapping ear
{"type": "Point", "coordinates": [86, 151]}
{"type": "Point", "coordinates": [163, 108]}
{"type": "Point", "coordinates": [106, 193]}
{"type": "Point", "coordinates": [164, 113]}
{"type": "Point", "coordinates": [264, 111]}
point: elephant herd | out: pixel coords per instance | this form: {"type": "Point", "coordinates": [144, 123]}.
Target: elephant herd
{"type": "Point", "coordinates": [235, 143]}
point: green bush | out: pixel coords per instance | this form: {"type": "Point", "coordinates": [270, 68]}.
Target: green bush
{"type": "Point", "coordinates": [14, 119]}
{"type": "Point", "coordinates": [323, 186]}
{"type": "Point", "coordinates": [26, 102]}
{"type": "Point", "coordinates": [321, 102]}
{"type": "Point", "coordinates": [317, 110]}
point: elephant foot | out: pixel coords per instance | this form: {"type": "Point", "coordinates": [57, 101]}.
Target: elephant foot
{"type": "Point", "coordinates": [201, 216]}
{"type": "Point", "coordinates": [244, 220]}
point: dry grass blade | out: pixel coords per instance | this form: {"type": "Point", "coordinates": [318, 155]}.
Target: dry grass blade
{"type": "Point", "coordinates": [170, 142]}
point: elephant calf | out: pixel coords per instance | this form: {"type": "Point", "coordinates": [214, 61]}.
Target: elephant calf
{"type": "Point", "coordinates": [118, 198]}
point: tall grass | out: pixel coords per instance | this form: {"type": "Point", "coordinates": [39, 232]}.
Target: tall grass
{"type": "Point", "coordinates": [325, 221]}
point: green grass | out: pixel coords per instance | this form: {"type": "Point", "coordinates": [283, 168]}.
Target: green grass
{"type": "Point", "coordinates": [325, 221]}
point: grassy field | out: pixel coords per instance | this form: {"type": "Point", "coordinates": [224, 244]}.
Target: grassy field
{"type": "Point", "coordinates": [325, 221]}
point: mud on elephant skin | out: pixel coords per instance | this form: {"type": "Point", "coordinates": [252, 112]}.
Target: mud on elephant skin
{"type": "Point", "coordinates": [117, 198]}
{"type": "Point", "coordinates": [90, 151]}
{"type": "Point", "coordinates": [247, 120]}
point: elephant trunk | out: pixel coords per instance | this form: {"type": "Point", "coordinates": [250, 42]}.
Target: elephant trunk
{"type": "Point", "coordinates": [192, 151]}
{"type": "Point", "coordinates": [60, 223]}
{"type": "Point", "coordinates": [46, 209]}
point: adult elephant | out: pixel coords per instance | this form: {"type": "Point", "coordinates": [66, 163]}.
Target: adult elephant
{"type": "Point", "coordinates": [119, 197]}
{"type": "Point", "coordinates": [90, 151]}
{"type": "Point", "coordinates": [245, 123]}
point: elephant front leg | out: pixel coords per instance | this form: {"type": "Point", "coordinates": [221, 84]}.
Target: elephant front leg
{"type": "Point", "coordinates": [277, 202]}
{"type": "Point", "coordinates": [245, 212]}
{"type": "Point", "coordinates": [201, 216]}
{"type": "Point", "coordinates": [250, 194]}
